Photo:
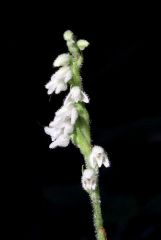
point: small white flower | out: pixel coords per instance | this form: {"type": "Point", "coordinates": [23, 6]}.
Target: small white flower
{"type": "Point", "coordinates": [67, 112]}
{"type": "Point", "coordinates": [62, 60]}
{"type": "Point", "coordinates": [76, 95]}
{"type": "Point", "coordinates": [82, 44]}
{"type": "Point", "coordinates": [89, 180]}
{"type": "Point", "coordinates": [59, 80]}
{"type": "Point", "coordinates": [98, 157]}
{"type": "Point", "coordinates": [68, 35]}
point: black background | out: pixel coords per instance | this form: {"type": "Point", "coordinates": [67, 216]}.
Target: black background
{"type": "Point", "coordinates": [121, 74]}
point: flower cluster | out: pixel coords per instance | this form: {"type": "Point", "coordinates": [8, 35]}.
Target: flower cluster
{"type": "Point", "coordinates": [65, 120]}
{"type": "Point", "coordinates": [61, 128]}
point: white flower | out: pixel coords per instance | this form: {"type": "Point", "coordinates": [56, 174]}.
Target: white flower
{"type": "Point", "coordinates": [62, 60]}
{"type": "Point", "coordinates": [89, 180]}
{"type": "Point", "coordinates": [62, 126]}
{"type": "Point", "coordinates": [82, 44]}
{"type": "Point", "coordinates": [76, 95]}
{"type": "Point", "coordinates": [67, 112]}
{"type": "Point", "coordinates": [68, 35]}
{"type": "Point", "coordinates": [98, 157]}
{"type": "Point", "coordinates": [59, 80]}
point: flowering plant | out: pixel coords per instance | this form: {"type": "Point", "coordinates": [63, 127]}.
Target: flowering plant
{"type": "Point", "coordinates": [72, 123]}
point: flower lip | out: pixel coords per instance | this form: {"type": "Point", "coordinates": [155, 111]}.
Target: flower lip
{"type": "Point", "coordinates": [76, 95]}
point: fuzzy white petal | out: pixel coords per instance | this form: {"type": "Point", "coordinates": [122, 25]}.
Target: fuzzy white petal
{"type": "Point", "coordinates": [62, 141]}
{"type": "Point", "coordinates": [62, 60]}
{"type": "Point", "coordinates": [61, 111]}
{"type": "Point", "coordinates": [59, 80]}
{"type": "Point", "coordinates": [52, 123]}
{"type": "Point", "coordinates": [68, 76]}
{"type": "Point", "coordinates": [57, 121]}
{"type": "Point", "coordinates": [47, 130]}
{"type": "Point", "coordinates": [50, 131]}
{"type": "Point", "coordinates": [61, 72]}
{"type": "Point", "coordinates": [61, 87]}
{"type": "Point", "coordinates": [74, 116]}
{"type": "Point", "coordinates": [49, 84]}
{"type": "Point", "coordinates": [50, 91]}
{"type": "Point", "coordinates": [53, 132]}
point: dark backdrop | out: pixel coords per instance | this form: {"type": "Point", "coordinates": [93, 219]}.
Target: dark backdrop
{"type": "Point", "coordinates": [121, 74]}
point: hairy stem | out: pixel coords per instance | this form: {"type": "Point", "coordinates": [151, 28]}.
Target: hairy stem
{"type": "Point", "coordinates": [82, 139]}
{"type": "Point", "coordinates": [97, 215]}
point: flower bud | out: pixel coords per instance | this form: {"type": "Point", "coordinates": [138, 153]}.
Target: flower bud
{"type": "Point", "coordinates": [82, 44]}
{"type": "Point", "coordinates": [68, 35]}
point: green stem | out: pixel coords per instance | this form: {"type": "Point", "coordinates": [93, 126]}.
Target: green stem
{"type": "Point", "coordinates": [76, 76]}
{"type": "Point", "coordinates": [97, 215]}
{"type": "Point", "coordinates": [82, 139]}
